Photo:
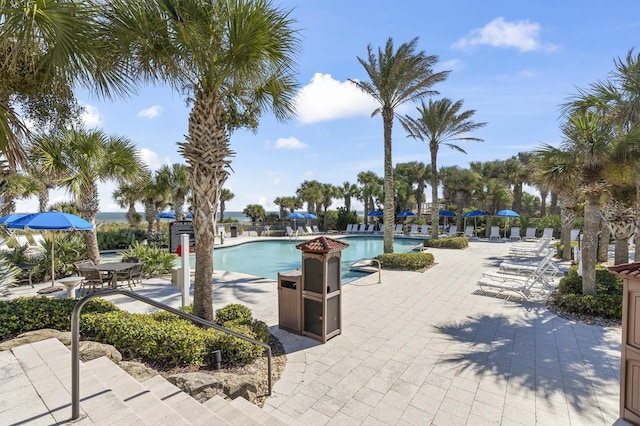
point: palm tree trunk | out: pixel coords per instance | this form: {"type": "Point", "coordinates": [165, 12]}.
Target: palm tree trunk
{"type": "Point", "coordinates": [131, 215]}
{"type": "Point", "coordinates": [567, 218]}
{"type": "Point", "coordinates": [389, 204]}
{"type": "Point", "coordinates": [88, 206]}
{"type": "Point", "coordinates": [543, 202]}
{"type": "Point", "coordinates": [603, 242]}
{"type": "Point", "coordinates": [590, 242]}
{"type": "Point", "coordinates": [206, 151]}
{"type": "Point", "coordinates": [434, 190]}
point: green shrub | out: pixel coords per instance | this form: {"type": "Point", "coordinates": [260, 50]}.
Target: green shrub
{"type": "Point", "coordinates": [451, 242]}
{"type": "Point", "coordinates": [115, 239]}
{"type": "Point", "coordinates": [157, 261]}
{"type": "Point", "coordinates": [233, 312]}
{"type": "Point", "coordinates": [406, 261]}
{"type": "Point", "coordinates": [33, 313]}
{"type": "Point", "coordinates": [606, 303]}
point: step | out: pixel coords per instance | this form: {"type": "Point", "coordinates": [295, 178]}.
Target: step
{"type": "Point", "coordinates": [256, 412]}
{"type": "Point", "coordinates": [19, 401]}
{"type": "Point", "coordinates": [228, 411]}
{"type": "Point", "coordinates": [47, 364]}
{"type": "Point", "coordinates": [183, 403]}
{"type": "Point", "coordinates": [143, 402]}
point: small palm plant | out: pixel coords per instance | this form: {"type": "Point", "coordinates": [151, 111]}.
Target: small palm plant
{"type": "Point", "coordinates": [8, 274]}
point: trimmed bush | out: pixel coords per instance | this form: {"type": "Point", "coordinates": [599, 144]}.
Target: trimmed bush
{"type": "Point", "coordinates": [451, 242]}
{"type": "Point", "coordinates": [233, 312]}
{"type": "Point", "coordinates": [34, 313]}
{"type": "Point", "coordinates": [606, 303]}
{"type": "Point", "coordinates": [406, 261]}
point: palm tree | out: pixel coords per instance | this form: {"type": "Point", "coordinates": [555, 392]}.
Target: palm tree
{"type": "Point", "coordinates": [348, 191]}
{"type": "Point", "coordinates": [310, 191]}
{"type": "Point", "coordinates": [254, 211]}
{"type": "Point", "coordinates": [47, 48]}
{"type": "Point", "coordinates": [85, 158]}
{"type": "Point", "coordinates": [461, 182]}
{"type": "Point", "coordinates": [559, 171]}
{"type": "Point", "coordinates": [287, 203]}
{"type": "Point", "coordinates": [126, 195]}
{"type": "Point", "coordinates": [234, 60]}
{"type": "Point", "coordinates": [397, 77]}
{"type": "Point", "coordinates": [439, 122]}
{"type": "Point", "coordinates": [175, 180]}
{"type": "Point", "coordinates": [328, 193]}
{"type": "Point", "coordinates": [225, 195]}
{"type": "Point", "coordinates": [371, 191]}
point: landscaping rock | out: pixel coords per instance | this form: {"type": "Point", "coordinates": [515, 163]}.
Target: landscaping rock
{"type": "Point", "coordinates": [203, 386]}
{"type": "Point", "coordinates": [91, 350]}
{"type": "Point", "coordinates": [31, 337]}
{"type": "Point", "coordinates": [137, 370]}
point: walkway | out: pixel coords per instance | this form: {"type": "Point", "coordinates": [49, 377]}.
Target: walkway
{"type": "Point", "coordinates": [421, 348]}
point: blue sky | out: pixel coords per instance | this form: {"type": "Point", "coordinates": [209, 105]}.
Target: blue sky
{"type": "Point", "coordinates": [514, 62]}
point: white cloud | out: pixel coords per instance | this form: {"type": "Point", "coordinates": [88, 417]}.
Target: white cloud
{"type": "Point", "coordinates": [522, 35]}
{"type": "Point", "coordinates": [151, 112]}
{"type": "Point", "coordinates": [451, 65]}
{"type": "Point", "coordinates": [276, 177]}
{"type": "Point", "coordinates": [150, 158]}
{"type": "Point", "coordinates": [90, 116]}
{"type": "Point", "coordinates": [326, 99]}
{"type": "Point", "coordinates": [289, 143]}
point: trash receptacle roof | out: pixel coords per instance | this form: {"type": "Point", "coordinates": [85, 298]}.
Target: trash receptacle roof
{"type": "Point", "coordinates": [322, 245]}
{"type": "Point", "coordinates": [626, 270]}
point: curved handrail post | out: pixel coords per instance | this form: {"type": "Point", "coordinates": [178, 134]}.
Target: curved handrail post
{"type": "Point", "coordinates": [75, 339]}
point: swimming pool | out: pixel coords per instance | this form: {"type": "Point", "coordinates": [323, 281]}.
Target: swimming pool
{"type": "Point", "coordinates": [266, 258]}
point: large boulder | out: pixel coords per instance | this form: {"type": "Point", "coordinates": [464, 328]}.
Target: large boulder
{"type": "Point", "coordinates": [91, 350]}
{"type": "Point", "coordinates": [137, 370]}
{"type": "Point", "coordinates": [31, 337]}
{"type": "Point", "coordinates": [203, 386]}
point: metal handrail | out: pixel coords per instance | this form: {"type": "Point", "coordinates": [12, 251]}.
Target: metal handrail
{"type": "Point", "coordinates": [75, 339]}
{"type": "Point", "coordinates": [371, 260]}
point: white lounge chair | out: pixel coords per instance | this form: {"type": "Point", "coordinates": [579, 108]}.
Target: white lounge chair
{"type": "Point", "coordinates": [495, 233]}
{"type": "Point", "coordinates": [308, 230]}
{"type": "Point", "coordinates": [545, 266]}
{"type": "Point", "coordinates": [290, 232]}
{"type": "Point", "coordinates": [530, 234]}
{"type": "Point", "coordinates": [575, 233]}
{"type": "Point", "coordinates": [39, 240]}
{"type": "Point", "coordinates": [424, 231]}
{"type": "Point", "coordinates": [316, 230]}
{"type": "Point", "coordinates": [469, 231]}
{"type": "Point", "coordinates": [361, 228]}
{"type": "Point", "coordinates": [301, 230]}
{"type": "Point", "coordinates": [522, 285]}
{"type": "Point", "coordinates": [413, 230]}
{"type": "Point", "coordinates": [370, 228]}
{"type": "Point", "coordinates": [381, 229]}
{"type": "Point", "coordinates": [453, 231]}
{"type": "Point", "coordinates": [515, 233]}
{"type": "Point", "coordinates": [530, 250]}
{"type": "Point", "coordinates": [547, 232]}
{"type": "Point", "coordinates": [398, 230]}
{"type": "Point", "coordinates": [349, 229]}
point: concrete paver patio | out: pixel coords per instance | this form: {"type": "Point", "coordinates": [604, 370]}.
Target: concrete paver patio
{"type": "Point", "coordinates": [421, 348]}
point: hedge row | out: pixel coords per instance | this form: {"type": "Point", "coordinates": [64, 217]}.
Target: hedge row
{"type": "Point", "coordinates": [406, 261]}
{"type": "Point", "coordinates": [450, 242]}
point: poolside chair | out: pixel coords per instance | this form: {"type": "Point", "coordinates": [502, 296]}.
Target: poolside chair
{"type": "Point", "coordinates": [370, 228]}
{"type": "Point", "coordinates": [469, 231]}
{"type": "Point", "coordinates": [381, 229]}
{"type": "Point", "coordinates": [413, 230]}
{"type": "Point", "coordinates": [399, 229]}
{"type": "Point", "coordinates": [515, 233]}
{"type": "Point", "coordinates": [301, 230]}
{"type": "Point", "coordinates": [545, 266]}
{"type": "Point", "coordinates": [547, 232]}
{"type": "Point", "coordinates": [531, 250]}
{"type": "Point", "coordinates": [316, 230]}
{"type": "Point", "coordinates": [290, 232]}
{"type": "Point", "coordinates": [309, 230]}
{"type": "Point", "coordinates": [452, 231]}
{"type": "Point", "coordinates": [530, 234]}
{"type": "Point", "coordinates": [349, 229]}
{"type": "Point", "coordinates": [93, 279]}
{"type": "Point", "coordinates": [495, 233]}
{"type": "Point", "coordinates": [39, 240]}
{"type": "Point", "coordinates": [424, 231]}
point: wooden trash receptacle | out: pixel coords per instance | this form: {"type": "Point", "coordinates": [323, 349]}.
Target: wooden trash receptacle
{"type": "Point", "coordinates": [290, 301]}
{"type": "Point", "coordinates": [630, 347]}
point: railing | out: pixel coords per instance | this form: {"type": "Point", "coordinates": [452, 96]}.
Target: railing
{"type": "Point", "coordinates": [75, 339]}
{"type": "Point", "coordinates": [370, 261]}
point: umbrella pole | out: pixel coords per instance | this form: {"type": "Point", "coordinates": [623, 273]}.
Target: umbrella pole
{"type": "Point", "coordinates": [53, 269]}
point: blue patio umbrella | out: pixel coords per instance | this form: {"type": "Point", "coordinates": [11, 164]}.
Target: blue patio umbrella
{"type": "Point", "coordinates": [406, 213]}
{"type": "Point", "coordinates": [507, 213]}
{"type": "Point", "coordinates": [295, 216]}
{"type": "Point", "coordinates": [166, 215]}
{"type": "Point", "coordinates": [376, 213]}
{"type": "Point", "coordinates": [446, 213]}
{"type": "Point", "coordinates": [50, 221]}
{"type": "Point", "coordinates": [309, 216]}
{"type": "Point", "coordinates": [474, 214]}
{"type": "Point", "coordinates": [11, 217]}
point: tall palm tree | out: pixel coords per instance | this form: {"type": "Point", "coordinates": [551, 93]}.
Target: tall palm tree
{"type": "Point", "coordinates": [438, 123]}
{"type": "Point", "coordinates": [371, 190]}
{"type": "Point", "coordinates": [310, 191]}
{"type": "Point", "coordinates": [461, 182]}
{"type": "Point", "coordinates": [287, 204]}
{"type": "Point", "coordinates": [397, 77]}
{"type": "Point", "coordinates": [234, 60]}
{"type": "Point", "coordinates": [47, 48]}
{"type": "Point", "coordinates": [225, 195]}
{"type": "Point", "coordinates": [559, 171]}
{"type": "Point", "coordinates": [126, 195]}
{"type": "Point", "coordinates": [85, 158]}
{"type": "Point", "coordinates": [175, 179]}
{"type": "Point", "coordinates": [348, 191]}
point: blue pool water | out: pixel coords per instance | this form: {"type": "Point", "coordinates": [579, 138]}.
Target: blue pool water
{"type": "Point", "coordinates": [267, 258]}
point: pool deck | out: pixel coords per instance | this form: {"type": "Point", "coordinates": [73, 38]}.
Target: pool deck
{"type": "Point", "coordinates": [422, 348]}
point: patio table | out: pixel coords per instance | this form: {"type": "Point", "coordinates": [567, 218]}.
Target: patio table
{"type": "Point", "coordinates": [114, 268]}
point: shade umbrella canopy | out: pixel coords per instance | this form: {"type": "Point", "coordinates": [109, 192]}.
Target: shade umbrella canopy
{"type": "Point", "coordinates": [446, 213]}
{"type": "Point", "coordinates": [376, 213]}
{"type": "Point", "coordinates": [507, 213]}
{"type": "Point", "coordinates": [11, 217]}
{"type": "Point", "coordinates": [295, 215]}
{"type": "Point", "coordinates": [406, 213]}
{"type": "Point", "coordinates": [475, 213]}
{"type": "Point", "coordinates": [51, 221]}
{"type": "Point", "coordinates": [166, 215]}
{"type": "Point", "coordinates": [309, 216]}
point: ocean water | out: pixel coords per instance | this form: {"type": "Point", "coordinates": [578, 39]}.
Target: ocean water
{"type": "Point", "coordinates": [116, 217]}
